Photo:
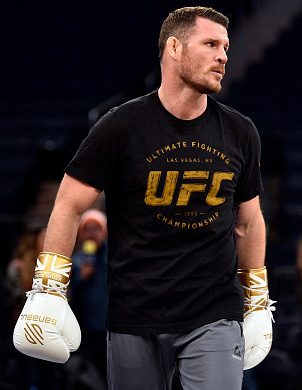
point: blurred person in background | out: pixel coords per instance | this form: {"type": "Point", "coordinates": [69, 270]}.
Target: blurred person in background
{"type": "Point", "coordinates": [21, 269]}
{"type": "Point", "coordinates": [89, 288]}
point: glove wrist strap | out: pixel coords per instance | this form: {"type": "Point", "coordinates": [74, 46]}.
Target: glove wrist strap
{"type": "Point", "coordinates": [256, 294]}
{"type": "Point", "coordinates": [52, 274]}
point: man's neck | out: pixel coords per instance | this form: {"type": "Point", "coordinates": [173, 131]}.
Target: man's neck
{"type": "Point", "coordinates": [184, 104]}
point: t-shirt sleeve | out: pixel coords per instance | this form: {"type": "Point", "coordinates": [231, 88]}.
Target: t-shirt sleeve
{"type": "Point", "coordinates": [98, 155]}
{"type": "Point", "coordinates": [249, 182]}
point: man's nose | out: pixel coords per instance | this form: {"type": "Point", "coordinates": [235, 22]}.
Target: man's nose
{"type": "Point", "coordinates": [222, 56]}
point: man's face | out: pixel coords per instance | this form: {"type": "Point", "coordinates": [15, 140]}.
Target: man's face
{"type": "Point", "coordinates": [93, 231]}
{"type": "Point", "coordinates": [203, 59]}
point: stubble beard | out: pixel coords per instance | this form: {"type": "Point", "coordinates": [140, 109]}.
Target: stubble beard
{"type": "Point", "coordinates": [188, 74]}
{"type": "Point", "coordinates": [202, 86]}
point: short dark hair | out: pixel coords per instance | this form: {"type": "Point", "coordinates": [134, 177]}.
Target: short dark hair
{"type": "Point", "coordinates": [179, 22]}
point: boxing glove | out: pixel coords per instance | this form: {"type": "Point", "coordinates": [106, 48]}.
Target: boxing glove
{"type": "Point", "coordinates": [47, 328]}
{"type": "Point", "coordinates": [257, 324]}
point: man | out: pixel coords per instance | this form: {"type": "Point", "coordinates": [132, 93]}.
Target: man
{"type": "Point", "coordinates": [177, 169]}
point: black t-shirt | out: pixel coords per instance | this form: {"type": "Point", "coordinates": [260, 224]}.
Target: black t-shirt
{"type": "Point", "coordinates": [170, 187]}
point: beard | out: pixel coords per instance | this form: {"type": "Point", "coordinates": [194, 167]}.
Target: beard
{"type": "Point", "coordinates": [188, 74]}
{"type": "Point", "coordinates": [203, 86]}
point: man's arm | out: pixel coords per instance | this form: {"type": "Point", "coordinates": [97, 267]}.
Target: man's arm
{"type": "Point", "coordinates": [251, 235]}
{"type": "Point", "coordinates": [57, 332]}
{"type": "Point", "coordinates": [73, 198]}
{"type": "Point", "coordinates": [251, 243]}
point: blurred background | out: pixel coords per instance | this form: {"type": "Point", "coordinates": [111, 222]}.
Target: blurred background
{"type": "Point", "coordinates": [64, 63]}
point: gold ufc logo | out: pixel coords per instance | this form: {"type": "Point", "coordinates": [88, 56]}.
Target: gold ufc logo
{"type": "Point", "coordinates": [33, 333]}
{"type": "Point", "coordinates": [186, 189]}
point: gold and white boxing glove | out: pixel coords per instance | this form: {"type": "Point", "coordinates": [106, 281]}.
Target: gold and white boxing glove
{"type": "Point", "coordinates": [47, 328]}
{"type": "Point", "coordinates": [257, 324]}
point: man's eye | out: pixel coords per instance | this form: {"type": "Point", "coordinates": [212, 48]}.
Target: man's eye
{"type": "Point", "coordinates": [211, 44]}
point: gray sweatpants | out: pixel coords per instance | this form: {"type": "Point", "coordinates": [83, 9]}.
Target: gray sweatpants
{"type": "Point", "coordinates": [208, 358]}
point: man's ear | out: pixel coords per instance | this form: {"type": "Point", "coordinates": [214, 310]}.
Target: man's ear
{"type": "Point", "coordinates": [173, 47]}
